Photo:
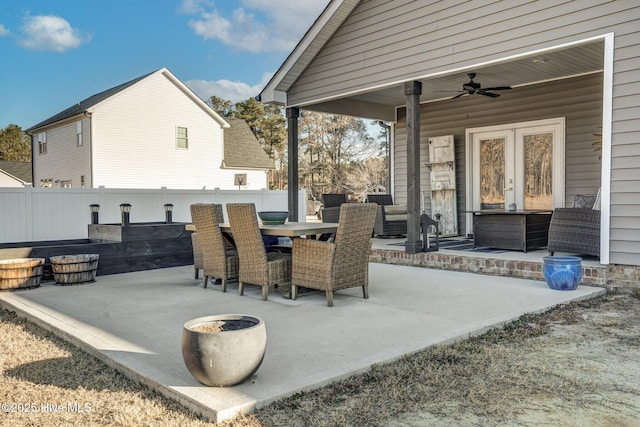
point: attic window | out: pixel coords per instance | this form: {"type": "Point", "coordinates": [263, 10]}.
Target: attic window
{"type": "Point", "coordinates": [42, 143]}
{"type": "Point", "coordinates": [182, 140]}
{"type": "Point", "coordinates": [79, 134]}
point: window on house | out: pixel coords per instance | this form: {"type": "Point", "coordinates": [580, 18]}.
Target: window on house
{"type": "Point", "coordinates": [46, 182]}
{"type": "Point", "coordinates": [182, 141]}
{"type": "Point", "coordinates": [82, 183]}
{"type": "Point", "coordinates": [42, 143]}
{"type": "Point", "coordinates": [79, 133]}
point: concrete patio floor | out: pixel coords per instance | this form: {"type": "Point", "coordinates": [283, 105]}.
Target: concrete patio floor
{"type": "Point", "coordinates": [133, 321]}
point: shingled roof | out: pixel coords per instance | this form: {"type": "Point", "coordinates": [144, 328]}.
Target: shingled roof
{"type": "Point", "coordinates": [242, 149]}
{"type": "Point", "coordinates": [18, 170]}
{"type": "Point", "coordinates": [83, 105]}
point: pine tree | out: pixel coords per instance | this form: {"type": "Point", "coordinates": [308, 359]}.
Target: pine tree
{"type": "Point", "coordinates": [15, 145]}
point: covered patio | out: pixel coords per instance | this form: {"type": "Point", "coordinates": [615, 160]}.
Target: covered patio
{"type": "Point", "coordinates": [402, 65]}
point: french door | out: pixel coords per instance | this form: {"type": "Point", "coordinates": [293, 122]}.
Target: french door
{"type": "Point", "coordinates": [518, 163]}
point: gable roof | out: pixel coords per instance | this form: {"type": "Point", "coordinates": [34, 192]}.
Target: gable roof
{"type": "Point", "coordinates": [21, 171]}
{"type": "Point", "coordinates": [87, 104]}
{"type": "Point", "coordinates": [242, 149]}
{"type": "Point", "coordinates": [311, 43]}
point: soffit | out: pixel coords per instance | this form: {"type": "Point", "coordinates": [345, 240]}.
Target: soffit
{"type": "Point", "coordinates": [525, 70]}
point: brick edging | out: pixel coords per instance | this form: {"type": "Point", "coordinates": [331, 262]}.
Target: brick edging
{"type": "Point", "coordinates": [625, 278]}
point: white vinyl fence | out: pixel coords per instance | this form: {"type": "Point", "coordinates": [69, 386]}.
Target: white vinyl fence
{"type": "Point", "coordinates": [38, 214]}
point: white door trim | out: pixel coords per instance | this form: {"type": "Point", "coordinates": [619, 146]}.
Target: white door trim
{"type": "Point", "coordinates": [510, 131]}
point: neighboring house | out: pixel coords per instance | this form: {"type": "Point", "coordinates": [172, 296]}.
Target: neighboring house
{"type": "Point", "coordinates": [574, 72]}
{"type": "Point", "coordinates": [242, 151]}
{"type": "Point", "coordinates": [15, 174]}
{"type": "Point", "coordinates": [150, 132]}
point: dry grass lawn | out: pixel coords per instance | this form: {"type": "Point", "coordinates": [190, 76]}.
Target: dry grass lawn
{"type": "Point", "coordinates": [576, 365]}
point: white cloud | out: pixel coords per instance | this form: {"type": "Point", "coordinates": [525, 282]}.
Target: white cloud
{"type": "Point", "coordinates": [257, 26]}
{"type": "Point", "coordinates": [195, 6]}
{"type": "Point", "coordinates": [226, 89]}
{"type": "Point", "coordinates": [51, 33]}
{"type": "Point", "coordinates": [3, 31]}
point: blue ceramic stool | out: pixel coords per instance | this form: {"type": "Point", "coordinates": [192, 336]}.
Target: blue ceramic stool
{"type": "Point", "coordinates": [562, 273]}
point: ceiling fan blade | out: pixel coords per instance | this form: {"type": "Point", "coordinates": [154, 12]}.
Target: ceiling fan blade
{"type": "Point", "coordinates": [472, 88]}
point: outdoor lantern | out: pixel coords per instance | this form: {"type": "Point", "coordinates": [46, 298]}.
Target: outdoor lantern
{"type": "Point", "coordinates": [125, 208]}
{"type": "Point", "coordinates": [95, 209]}
{"type": "Point", "coordinates": [168, 213]}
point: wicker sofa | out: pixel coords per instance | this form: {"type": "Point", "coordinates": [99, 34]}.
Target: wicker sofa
{"type": "Point", "coordinates": [391, 220]}
{"type": "Point", "coordinates": [575, 230]}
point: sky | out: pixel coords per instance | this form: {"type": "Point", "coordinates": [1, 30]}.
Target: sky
{"type": "Point", "coordinates": [54, 54]}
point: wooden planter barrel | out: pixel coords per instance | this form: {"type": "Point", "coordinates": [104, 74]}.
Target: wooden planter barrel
{"type": "Point", "coordinates": [74, 269]}
{"type": "Point", "coordinates": [20, 273]}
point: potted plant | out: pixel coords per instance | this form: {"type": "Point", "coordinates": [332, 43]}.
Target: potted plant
{"type": "Point", "coordinates": [223, 350]}
{"type": "Point", "coordinates": [562, 273]}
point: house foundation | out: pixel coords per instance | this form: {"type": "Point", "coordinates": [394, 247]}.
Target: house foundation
{"type": "Point", "coordinates": [615, 278]}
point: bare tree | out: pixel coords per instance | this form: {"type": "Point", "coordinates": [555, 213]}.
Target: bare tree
{"type": "Point", "coordinates": [335, 150]}
{"type": "Point", "coordinates": [369, 176]}
{"type": "Point", "coordinates": [331, 146]}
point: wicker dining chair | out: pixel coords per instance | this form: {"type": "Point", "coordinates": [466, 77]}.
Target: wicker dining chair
{"type": "Point", "coordinates": [341, 264]}
{"type": "Point", "coordinates": [198, 263]}
{"type": "Point", "coordinates": [218, 261]}
{"type": "Point", "coordinates": [257, 266]}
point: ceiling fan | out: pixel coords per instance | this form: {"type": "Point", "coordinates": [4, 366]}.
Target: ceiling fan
{"type": "Point", "coordinates": [473, 88]}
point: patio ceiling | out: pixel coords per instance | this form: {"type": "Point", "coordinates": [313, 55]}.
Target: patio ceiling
{"type": "Point", "coordinates": [381, 102]}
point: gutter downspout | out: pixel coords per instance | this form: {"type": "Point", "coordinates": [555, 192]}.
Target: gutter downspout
{"type": "Point", "coordinates": [33, 169]}
{"type": "Point", "coordinates": [88, 115]}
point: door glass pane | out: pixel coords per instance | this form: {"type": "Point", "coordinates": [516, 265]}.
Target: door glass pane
{"type": "Point", "coordinates": [538, 177]}
{"type": "Point", "coordinates": [492, 173]}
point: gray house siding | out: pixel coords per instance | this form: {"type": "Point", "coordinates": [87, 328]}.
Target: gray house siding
{"type": "Point", "coordinates": [578, 100]}
{"type": "Point", "coordinates": [625, 148]}
{"type": "Point", "coordinates": [389, 41]}
{"type": "Point", "coordinates": [385, 42]}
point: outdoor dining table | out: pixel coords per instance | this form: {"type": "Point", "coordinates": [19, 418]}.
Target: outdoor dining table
{"type": "Point", "coordinates": [311, 230]}
{"type": "Point", "coordinates": [288, 229]}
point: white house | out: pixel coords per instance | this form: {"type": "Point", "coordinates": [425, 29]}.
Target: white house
{"type": "Point", "coordinates": [15, 174]}
{"type": "Point", "coordinates": [150, 132]}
